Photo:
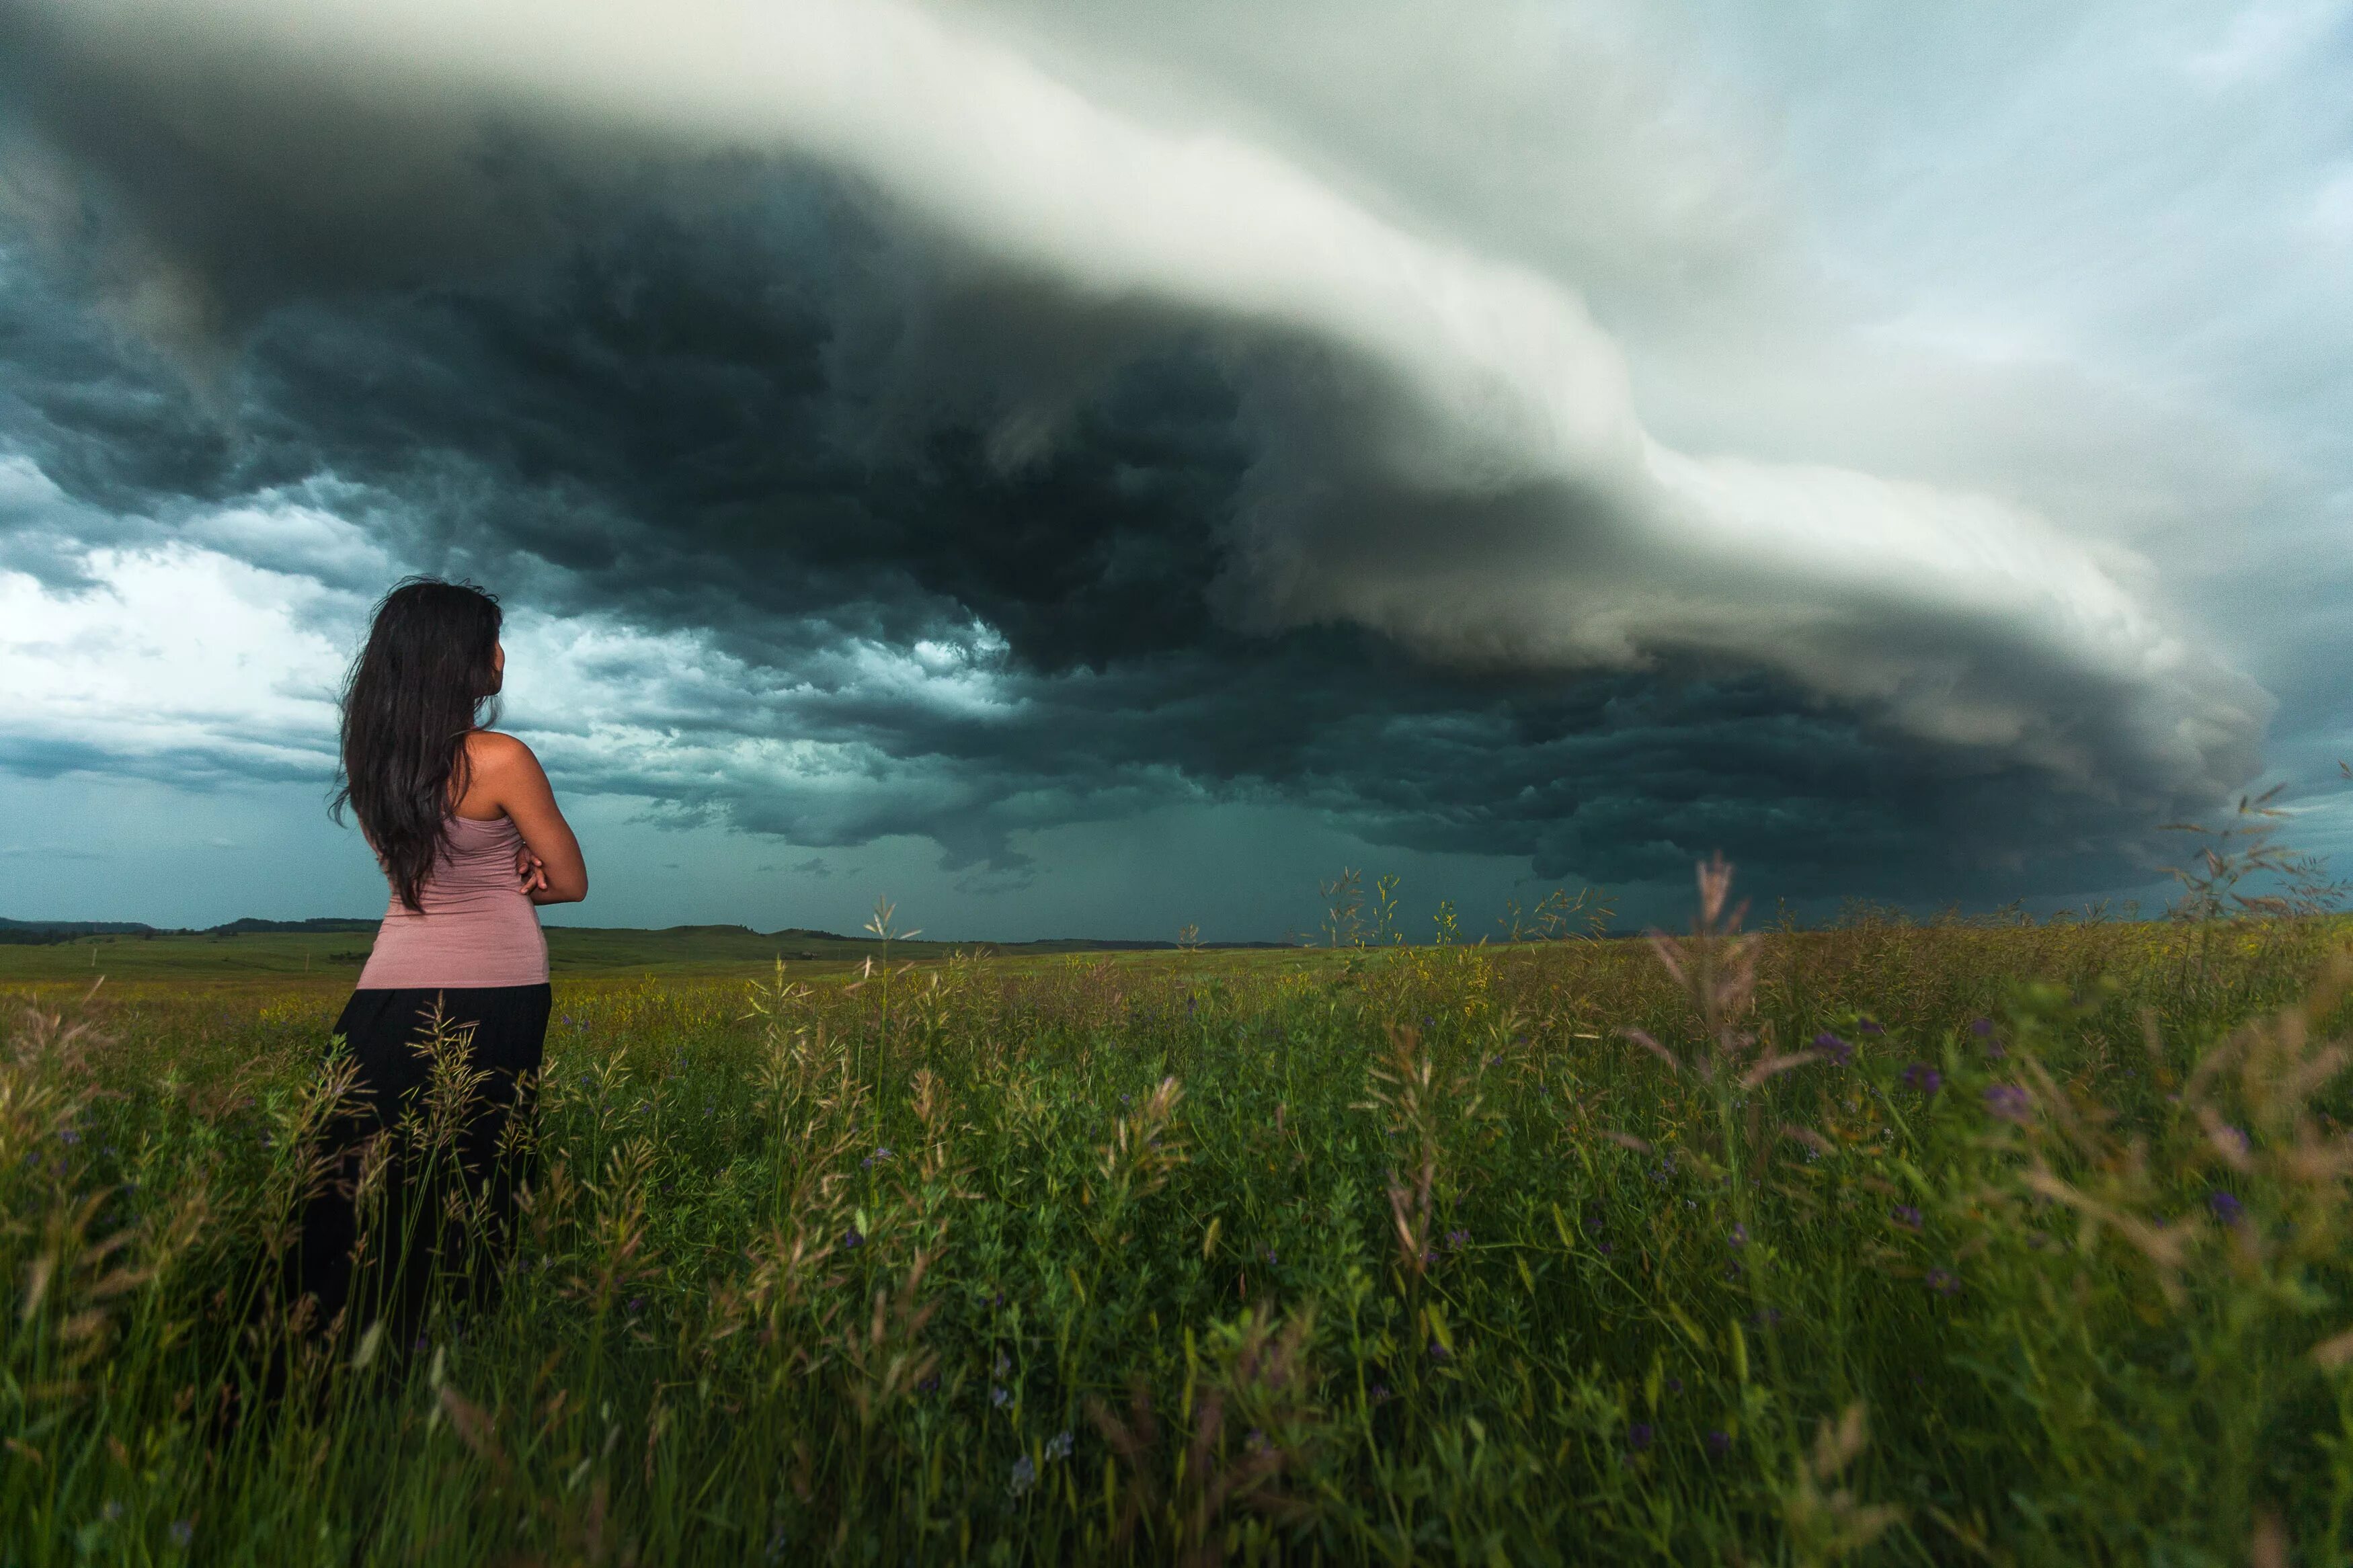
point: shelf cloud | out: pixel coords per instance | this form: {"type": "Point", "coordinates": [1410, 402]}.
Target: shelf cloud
{"type": "Point", "coordinates": [1163, 450]}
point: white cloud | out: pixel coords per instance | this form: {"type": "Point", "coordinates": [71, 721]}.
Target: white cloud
{"type": "Point", "coordinates": [2262, 39]}
{"type": "Point", "coordinates": [295, 538]}
{"type": "Point", "coordinates": [2332, 207]}
{"type": "Point", "coordinates": [186, 661]}
{"type": "Point", "coordinates": [177, 655]}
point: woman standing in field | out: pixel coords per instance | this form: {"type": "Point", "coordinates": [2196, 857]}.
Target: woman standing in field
{"type": "Point", "coordinates": [463, 822]}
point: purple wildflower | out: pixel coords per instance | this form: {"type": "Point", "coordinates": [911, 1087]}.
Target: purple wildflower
{"type": "Point", "coordinates": [1739, 1236]}
{"type": "Point", "coordinates": [1456, 1240]}
{"type": "Point", "coordinates": [636, 1303]}
{"type": "Point", "coordinates": [1058, 1446]}
{"type": "Point", "coordinates": [1024, 1475]}
{"type": "Point", "coordinates": [1380, 1394]}
{"type": "Point", "coordinates": [1944, 1282]}
{"type": "Point", "coordinates": [67, 1135]}
{"type": "Point", "coordinates": [1833, 1050]}
{"type": "Point", "coordinates": [1674, 1385]}
{"type": "Point", "coordinates": [1905, 1216]}
{"type": "Point", "coordinates": [852, 1241]}
{"type": "Point", "coordinates": [999, 1397]}
{"type": "Point", "coordinates": [2008, 1102]}
{"type": "Point", "coordinates": [1868, 1027]}
{"type": "Point", "coordinates": [1719, 1444]}
{"type": "Point", "coordinates": [1981, 1027]}
{"type": "Point", "coordinates": [1923, 1078]}
{"type": "Point", "coordinates": [2227, 1209]}
{"type": "Point", "coordinates": [1440, 1353]}
{"type": "Point", "coordinates": [1639, 1436]}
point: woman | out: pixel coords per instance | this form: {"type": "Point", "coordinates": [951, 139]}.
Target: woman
{"type": "Point", "coordinates": [467, 830]}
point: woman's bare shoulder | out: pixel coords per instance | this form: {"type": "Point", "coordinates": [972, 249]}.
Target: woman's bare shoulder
{"type": "Point", "coordinates": [493, 756]}
{"type": "Point", "coordinates": [492, 747]}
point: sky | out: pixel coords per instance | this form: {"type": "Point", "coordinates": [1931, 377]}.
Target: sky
{"type": "Point", "coordinates": [1091, 469]}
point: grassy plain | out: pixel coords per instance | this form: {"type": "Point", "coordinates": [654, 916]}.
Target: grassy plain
{"type": "Point", "coordinates": [1960, 1242]}
{"type": "Point", "coordinates": [333, 959]}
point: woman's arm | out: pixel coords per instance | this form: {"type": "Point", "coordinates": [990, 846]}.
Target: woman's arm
{"type": "Point", "coordinates": [510, 779]}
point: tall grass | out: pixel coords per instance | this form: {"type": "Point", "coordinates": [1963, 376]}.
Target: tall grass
{"type": "Point", "coordinates": [2005, 1243]}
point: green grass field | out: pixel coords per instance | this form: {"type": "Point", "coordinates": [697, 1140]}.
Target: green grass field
{"type": "Point", "coordinates": [584, 952]}
{"type": "Point", "coordinates": [1917, 1244]}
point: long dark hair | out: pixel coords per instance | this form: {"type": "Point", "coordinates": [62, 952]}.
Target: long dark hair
{"type": "Point", "coordinates": [416, 691]}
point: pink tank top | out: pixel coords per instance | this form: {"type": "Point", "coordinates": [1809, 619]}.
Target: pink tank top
{"type": "Point", "coordinates": [478, 929]}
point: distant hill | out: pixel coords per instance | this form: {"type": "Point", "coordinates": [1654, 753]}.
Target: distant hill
{"type": "Point", "coordinates": [62, 929]}
{"type": "Point", "coordinates": [35, 933]}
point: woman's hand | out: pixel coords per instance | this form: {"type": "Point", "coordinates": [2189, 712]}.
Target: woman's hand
{"type": "Point", "coordinates": [531, 870]}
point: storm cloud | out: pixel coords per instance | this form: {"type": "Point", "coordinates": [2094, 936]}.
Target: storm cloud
{"type": "Point", "coordinates": [907, 421]}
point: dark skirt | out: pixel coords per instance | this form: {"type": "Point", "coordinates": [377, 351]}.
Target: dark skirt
{"type": "Point", "coordinates": [419, 1178]}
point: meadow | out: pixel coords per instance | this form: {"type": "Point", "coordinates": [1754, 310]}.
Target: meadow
{"type": "Point", "coordinates": [1970, 1241]}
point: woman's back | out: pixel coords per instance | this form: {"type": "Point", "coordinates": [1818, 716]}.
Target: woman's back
{"type": "Point", "coordinates": [478, 927]}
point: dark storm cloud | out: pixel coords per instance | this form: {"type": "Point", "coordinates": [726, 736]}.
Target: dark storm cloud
{"type": "Point", "coordinates": [702, 437]}
{"type": "Point", "coordinates": [1195, 547]}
